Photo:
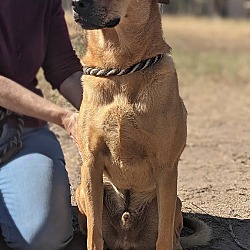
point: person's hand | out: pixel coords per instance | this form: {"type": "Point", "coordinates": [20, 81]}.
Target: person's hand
{"type": "Point", "coordinates": [69, 123]}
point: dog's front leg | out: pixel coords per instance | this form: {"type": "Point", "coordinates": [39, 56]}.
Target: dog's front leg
{"type": "Point", "coordinates": [92, 187]}
{"type": "Point", "coordinates": [166, 197]}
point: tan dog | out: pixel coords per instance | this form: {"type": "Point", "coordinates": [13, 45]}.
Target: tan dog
{"type": "Point", "coordinates": [132, 128]}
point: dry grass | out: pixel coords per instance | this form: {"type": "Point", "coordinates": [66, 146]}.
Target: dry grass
{"type": "Point", "coordinates": [204, 34]}
{"type": "Point", "coordinates": [212, 49]}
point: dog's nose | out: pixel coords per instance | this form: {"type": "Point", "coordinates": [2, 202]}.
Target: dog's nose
{"type": "Point", "coordinates": [80, 5]}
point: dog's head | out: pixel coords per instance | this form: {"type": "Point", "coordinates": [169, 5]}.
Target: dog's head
{"type": "Point", "coordinates": [99, 14]}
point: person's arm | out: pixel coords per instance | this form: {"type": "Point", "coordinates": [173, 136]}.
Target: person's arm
{"type": "Point", "coordinates": [71, 89]}
{"type": "Point", "coordinates": [62, 67]}
{"type": "Point", "coordinates": [16, 98]}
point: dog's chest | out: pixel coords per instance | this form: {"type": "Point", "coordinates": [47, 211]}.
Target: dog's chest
{"type": "Point", "coordinates": [128, 154]}
{"type": "Point", "coordinates": [133, 133]}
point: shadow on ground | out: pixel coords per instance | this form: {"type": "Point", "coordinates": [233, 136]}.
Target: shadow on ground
{"type": "Point", "coordinates": [222, 236]}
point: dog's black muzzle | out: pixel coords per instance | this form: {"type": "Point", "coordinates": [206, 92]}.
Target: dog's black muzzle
{"type": "Point", "coordinates": [89, 16]}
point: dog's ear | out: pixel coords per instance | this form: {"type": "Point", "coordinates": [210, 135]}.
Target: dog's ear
{"type": "Point", "coordinates": [164, 1]}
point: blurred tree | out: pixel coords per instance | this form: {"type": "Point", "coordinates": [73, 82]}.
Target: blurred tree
{"type": "Point", "coordinates": [193, 7]}
{"type": "Point", "coordinates": [198, 7]}
{"type": "Point", "coordinates": [221, 7]}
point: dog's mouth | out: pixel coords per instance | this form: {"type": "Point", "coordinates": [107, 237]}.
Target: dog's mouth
{"type": "Point", "coordinates": [113, 23]}
{"type": "Point", "coordinates": [90, 24]}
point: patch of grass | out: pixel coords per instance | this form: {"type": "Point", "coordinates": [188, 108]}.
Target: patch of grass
{"type": "Point", "coordinates": [216, 65]}
{"type": "Point", "coordinates": [209, 49]}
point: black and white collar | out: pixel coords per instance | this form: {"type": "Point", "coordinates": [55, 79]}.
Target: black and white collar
{"type": "Point", "coordinates": [119, 72]}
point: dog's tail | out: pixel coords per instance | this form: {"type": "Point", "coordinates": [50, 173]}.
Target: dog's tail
{"type": "Point", "coordinates": [201, 236]}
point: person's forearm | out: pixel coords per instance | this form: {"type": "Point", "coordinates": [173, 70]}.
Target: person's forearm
{"type": "Point", "coordinates": [71, 89]}
{"type": "Point", "coordinates": [21, 100]}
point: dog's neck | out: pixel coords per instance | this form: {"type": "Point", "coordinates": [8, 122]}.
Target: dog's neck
{"type": "Point", "coordinates": [136, 38]}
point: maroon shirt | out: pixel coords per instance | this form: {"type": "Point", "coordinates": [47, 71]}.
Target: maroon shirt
{"type": "Point", "coordinates": [33, 34]}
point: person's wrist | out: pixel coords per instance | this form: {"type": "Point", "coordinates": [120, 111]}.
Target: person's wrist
{"type": "Point", "coordinates": [64, 118]}
{"type": "Point", "coordinates": [69, 123]}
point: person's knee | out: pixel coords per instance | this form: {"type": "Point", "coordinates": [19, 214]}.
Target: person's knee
{"type": "Point", "coordinates": [43, 220]}
{"type": "Point", "coordinates": [41, 241]}
{"type": "Point", "coordinates": [49, 243]}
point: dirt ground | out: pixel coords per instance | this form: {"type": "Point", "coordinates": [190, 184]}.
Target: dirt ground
{"type": "Point", "coordinates": [214, 171]}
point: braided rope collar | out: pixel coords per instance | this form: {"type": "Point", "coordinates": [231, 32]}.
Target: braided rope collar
{"type": "Point", "coordinates": [119, 72]}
